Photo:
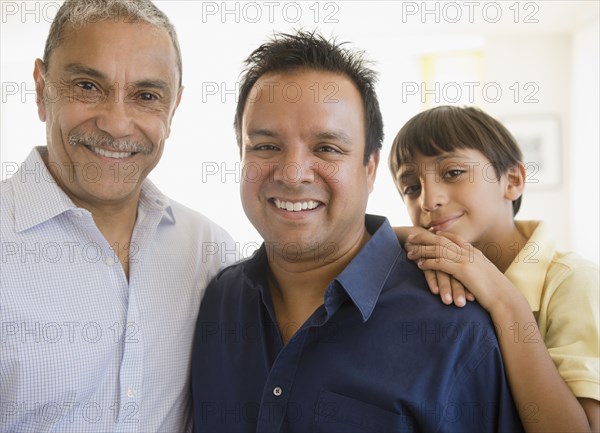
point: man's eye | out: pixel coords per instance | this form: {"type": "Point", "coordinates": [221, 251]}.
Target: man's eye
{"type": "Point", "coordinates": [327, 149]}
{"type": "Point", "coordinates": [147, 96]}
{"type": "Point", "coordinates": [265, 147]}
{"type": "Point", "coordinates": [86, 85]}
{"type": "Point", "coordinates": [86, 91]}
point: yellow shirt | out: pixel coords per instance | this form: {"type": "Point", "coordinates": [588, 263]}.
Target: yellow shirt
{"type": "Point", "coordinates": [562, 290]}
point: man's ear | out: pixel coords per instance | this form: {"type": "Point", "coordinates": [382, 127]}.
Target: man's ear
{"type": "Point", "coordinates": [371, 168]}
{"type": "Point", "coordinates": [179, 93]}
{"type": "Point", "coordinates": [40, 86]}
{"type": "Point", "coordinates": [515, 181]}
{"type": "Point", "coordinates": [177, 101]}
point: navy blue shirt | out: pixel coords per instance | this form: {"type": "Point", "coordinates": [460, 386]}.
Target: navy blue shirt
{"type": "Point", "coordinates": [381, 354]}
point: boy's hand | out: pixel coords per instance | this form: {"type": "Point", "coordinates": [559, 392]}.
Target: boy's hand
{"type": "Point", "coordinates": [449, 288]}
{"type": "Point", "coordinates": [439, 282]}
{"type": "Point", "coordinates": [449, 253]}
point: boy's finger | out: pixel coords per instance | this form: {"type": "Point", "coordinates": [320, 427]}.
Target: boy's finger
{"type": "Point", "coordinates": [470, 297]}
{"type": "Point", "coordinates": [458, 293]}
{"type": "Point", "coordinates": [432, 281]}
{"type": "Point", "coordinates": [445, 287]}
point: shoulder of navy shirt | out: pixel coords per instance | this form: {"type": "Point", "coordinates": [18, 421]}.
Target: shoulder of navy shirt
{"type": "Point", "coordinates": [381, 354]}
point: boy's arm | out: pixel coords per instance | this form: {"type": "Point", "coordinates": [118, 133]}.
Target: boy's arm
{"type": "Point", "coordinates": [544, 401]}
{"type": "Point", "coordinates": [592, 410]}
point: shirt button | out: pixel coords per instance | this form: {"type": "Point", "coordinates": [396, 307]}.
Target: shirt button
{"type": "Point", "coordinates": [277, 391]}
{"type": "Point", "coordinates": [78, 214]}
{"type": "Point", "coordinates": [130, 393]}
{"type": "Point", "coordinates": [109, 261]}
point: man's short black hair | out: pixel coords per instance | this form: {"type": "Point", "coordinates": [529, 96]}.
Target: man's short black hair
{"type": "Point", "coordinates": [308, 50]}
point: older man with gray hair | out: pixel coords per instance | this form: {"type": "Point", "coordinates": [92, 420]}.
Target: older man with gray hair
{"type": "Point", "coordinates": [101, 274]}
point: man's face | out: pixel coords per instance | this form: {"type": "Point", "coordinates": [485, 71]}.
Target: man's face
{"type": "Point", "coordinates": [107, 98]}
{"type": "Point", "coordinates": [304, 184]}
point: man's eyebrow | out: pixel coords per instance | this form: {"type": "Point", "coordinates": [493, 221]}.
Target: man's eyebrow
{"type": "Point", "coordinates": [261, 132]}
{"type": "Point", "coordinates": [150, 84]}
{"type": "Point", "coordinates": [335, 135]}
{"type": "Point", "coordinates": [78, 68]}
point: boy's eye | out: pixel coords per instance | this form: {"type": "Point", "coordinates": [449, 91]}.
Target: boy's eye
{"type": "Point", "coordinates": [454, 173]}
{"type": "Point", "coordinates": [411, 190]}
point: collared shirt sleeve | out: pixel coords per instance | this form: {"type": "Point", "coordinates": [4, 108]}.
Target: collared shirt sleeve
{"type": "Point", "coordinates": [562, 290]}
{"type": "Point", "coordinates": [571, 329]}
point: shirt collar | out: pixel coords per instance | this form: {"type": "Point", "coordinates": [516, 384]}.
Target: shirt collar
{"type": "Point", "coordinates": [38, 198]}
{"type": "Point", "coordinates": [364, 277]}
{"type": "Point", "coordinates": [528, 271]}
{"type": "Point", "coordinates": [362, 280]}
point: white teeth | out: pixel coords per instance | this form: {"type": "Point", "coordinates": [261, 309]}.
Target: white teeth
{"type": "Point", "coordinates": [296, 207]}
{"type": "Point", "coordinates": [110, 154]}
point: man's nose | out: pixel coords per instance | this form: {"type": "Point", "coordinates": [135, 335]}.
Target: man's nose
{"type": "Point", "coordinates": [115, 118]}
{"type": "Point", "coordinates": [295, 166]}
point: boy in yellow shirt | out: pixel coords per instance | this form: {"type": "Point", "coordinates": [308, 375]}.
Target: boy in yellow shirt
{"type": "Point", "coordinates": [461, 176]}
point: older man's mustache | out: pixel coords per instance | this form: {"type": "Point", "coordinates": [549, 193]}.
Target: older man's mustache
{"type": "Point", "coordinates": [107, 142]}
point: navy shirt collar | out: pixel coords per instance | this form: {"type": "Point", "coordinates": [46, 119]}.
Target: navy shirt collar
{"type": "Point", "coordinates": [364, 277]}
{"type": "Point", "coordinates": [361, 281]}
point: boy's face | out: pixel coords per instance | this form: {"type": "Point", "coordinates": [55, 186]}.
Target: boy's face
{"type": "Point", "coordinates": [459, 192]}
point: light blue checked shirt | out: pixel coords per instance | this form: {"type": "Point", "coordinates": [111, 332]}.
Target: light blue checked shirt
{"type": "Point", "coordinates": [81, 348]}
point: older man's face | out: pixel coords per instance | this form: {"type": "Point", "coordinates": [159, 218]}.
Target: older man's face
{"type": "Point", "coordinates": [305, 185]}
{"type": "Point", "coordinates": [107, 98]}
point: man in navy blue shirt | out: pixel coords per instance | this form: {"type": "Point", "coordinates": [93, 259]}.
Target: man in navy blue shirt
{"type": "Point", "coordinates": [328, 327]}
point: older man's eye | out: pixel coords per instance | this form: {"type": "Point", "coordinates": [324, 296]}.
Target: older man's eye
{"type": "Point", "coordinates": [148, 96]}
{"type": "Point", "coordinates": [86, 85]}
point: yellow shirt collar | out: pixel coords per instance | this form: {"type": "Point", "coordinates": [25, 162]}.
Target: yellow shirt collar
{"type": "Point", "coordinates": [528, 271]}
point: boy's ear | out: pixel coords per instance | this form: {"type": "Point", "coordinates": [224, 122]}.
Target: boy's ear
{"type": "Point", "coordinates": [515, 181]}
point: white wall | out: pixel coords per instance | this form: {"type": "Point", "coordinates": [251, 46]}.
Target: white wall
{"type": "Point", "coordinates": [201, 157]}
{"type": "Point", "coordinates": [584, 141]}
{"type": "Point", "coordinates": [545, 61]}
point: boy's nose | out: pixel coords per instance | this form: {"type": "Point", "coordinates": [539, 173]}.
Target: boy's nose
{"type": "Point", "coordinates": [433, 196]}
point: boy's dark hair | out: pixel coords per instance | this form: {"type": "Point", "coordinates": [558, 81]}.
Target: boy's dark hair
{"type": "Point", "coordinates": [307, 50]}
{"type": "Point", "coordinates": [446, 128]}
